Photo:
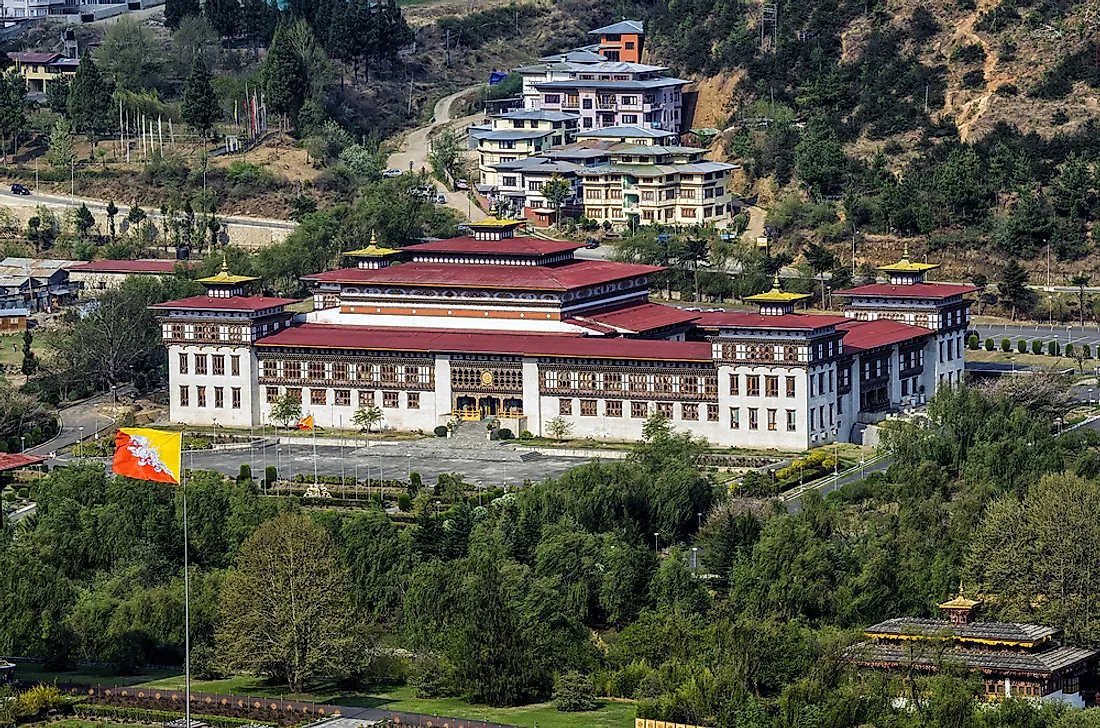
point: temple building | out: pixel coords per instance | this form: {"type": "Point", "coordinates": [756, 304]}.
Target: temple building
{"type": "Point", "coordinates": [1016, 660]}
{"type": "Point", "coordinates": [498, 325]}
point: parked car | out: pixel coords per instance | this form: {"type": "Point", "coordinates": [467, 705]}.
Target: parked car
{"type": "Point", "coordinates": [18, 189]}
{"type": "Point", "coordinates": [591, 243]}
{"type": "Point", "coordinates": [461, 184]}
{"type": "Point", "coordinates": [440, 199]}
{"type": "Point", "coordinates": [395, 172]}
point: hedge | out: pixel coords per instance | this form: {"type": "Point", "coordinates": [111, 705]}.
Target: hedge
{"type": "Point", "coordinates": [1052, 348]}
{"type": "Point", "coordinates": [1006, 344]}
{"type": "Point", "coordinates": [1036, 346]}
{"type": "Point", "coordinates": [989, 345]}
{"type": "Point", "coordinates": [972, 343]}
{"type": "Point", "coordinates": [1021, 346]}
{"type": "Point", "coordinates": [146, 715]}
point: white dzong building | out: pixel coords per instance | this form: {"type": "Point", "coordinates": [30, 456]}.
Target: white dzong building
{"type": "Point", "coordinates": [496, 325]}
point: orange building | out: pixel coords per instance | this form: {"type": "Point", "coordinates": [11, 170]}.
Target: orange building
{"type": "Point", "coordinates": [621, 41]}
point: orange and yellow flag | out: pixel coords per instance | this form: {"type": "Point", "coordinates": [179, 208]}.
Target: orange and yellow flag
{"type": "Point", "coordinates": [146, 454]}
{"type": "Point", "coordinates": [306, 423]}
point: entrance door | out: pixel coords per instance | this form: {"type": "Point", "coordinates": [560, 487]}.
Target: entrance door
{"type": "Point", "coordinates": [466, 408]}
{"type": "Point", "coordinates": [489, 406]}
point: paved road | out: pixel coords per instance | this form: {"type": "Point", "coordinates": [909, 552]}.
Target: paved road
{"type": "Point", "coordinates": [414, 151]}
{"type": "Point", "coordinates": [76, 420]}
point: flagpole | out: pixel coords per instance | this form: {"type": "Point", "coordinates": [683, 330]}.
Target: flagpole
{"type": "Point", "coordinates": [313, 427]}
{"type": "Point", "coordinates": [186, 605]}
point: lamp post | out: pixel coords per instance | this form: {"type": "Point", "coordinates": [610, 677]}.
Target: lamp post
{"type": "Point", "coordinates": [836, 451]}
{"type": "Point", "coordinates": [699, 521]}
{"type": "Point", "coordinates": [1090, 396]}
{"type": "Point", "coordinates": [655, 548]}
{"type": "Point", "coordinates": [82, 434]}
{"type": "Point", "coordinates": [22, 443]}
{"type": "Point", "coordinates": [695, 557]}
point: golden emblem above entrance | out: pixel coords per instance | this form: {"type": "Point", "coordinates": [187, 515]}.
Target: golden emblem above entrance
{"type": "Point", "coordinates": [486, 378]}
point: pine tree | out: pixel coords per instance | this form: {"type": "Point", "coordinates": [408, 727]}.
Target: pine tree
{"type": "Point", "coordinates": [200, 103]}
{"type": "Point", "coordinates": [224, 16]}
{"type": "Point", "coordinates": [176, 10]}
{"type": "Point", "coordinates": [30, 364]}
{"type": "Point", "coordinates": [1013, 288]}
{"type": "Point", "coordinates": [12, 102]}
{"type": "Point", "coordinates": [284, 77]}
{"type": "Point", "coordinates": [61, 153]}
{"type": "Point", "coordinates": [89, 99]}
{"type": "Point", "coordinates": [57, 95]}
{"type": "Point", "coordinates": [258, 21]}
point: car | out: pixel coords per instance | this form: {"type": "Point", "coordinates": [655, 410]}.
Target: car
{"type": "Point", "coordinates": [591, 244]}
{"type": "Point", "coordinates": [440, 199]}
{"type": "Point", "coordinates": [461, 184]}
{"type": "Point", "coordinates": [395, 172]}
{"type": "Point", "coordinates": [18, 189]}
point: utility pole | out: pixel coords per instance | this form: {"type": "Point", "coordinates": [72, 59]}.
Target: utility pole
{"type": "Point", "coordinates": [447, 46]}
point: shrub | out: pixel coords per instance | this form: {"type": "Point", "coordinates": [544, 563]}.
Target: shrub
{"type": "Point", "coordinates": [972, 343]}
{"type": "Point", "coordinates": [1007, 90]}
{"type": "Point", "coordinates": [972, 53]}
{"type": "Point", "coordinates": [404, 502]}
{"type": "Point", "coordinates": [504, 434]}
{"type": "Point", "coordinates": [1006, 344]}
{"type": "Point", "coordinates": [1021, 346]}
{"type": "Point", "coordinates": [1059, 118]}
{"type": "Point", "coordinates": [271, 474]}
{"type": "Point", "coordinates": [1036, 346]}
{"type": "Point", "coordinates": [989, 345]}
{"type": "Point", "coordinates": [414, 484]}
{"type": "Point", "coordinates": [1086, 351]}
{"type": "Point", "coordinates": [197, 443]}
{"type": "Point", "coordinates": [440, 431]}
{"type": "Point", "coordinates": [525, 435]}
{"type": "Point", "coordinates": [38, 700]}
{"type": "Point", "coordinates": [122, 714]}
{"type": "Point", "coordinates": [974, 79]}
{"type": "Point", "coordinates": [573, 693]}
{"type": "Point", "coordinates": [1069, 349]}
{"type": "Point", "coordinates": [245, 473]}
{"type": "Point", "coordinates": [1052, 348]}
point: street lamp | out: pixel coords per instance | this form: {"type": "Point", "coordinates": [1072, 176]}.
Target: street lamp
{"type": "Point", "coordinates": [836, 451]}
{"type": "Point", "coordinates": [655, 548]}
{"type": "Point", "coordinates": [699, 519]}
{"type": "Point", "coordinates": [695, 557]}
{"type": "Point", "coordinates": [82, 434]}
{"type": "Point", "coordinates": [1090, 396]}
{"type": "Point", "coordinates": [22, 443]}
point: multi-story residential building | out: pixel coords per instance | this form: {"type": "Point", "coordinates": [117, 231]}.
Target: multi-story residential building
{"type": "Point", "coordinates": [629, 135]}
{"type": "Point", "coordinates": [644, 184]}
{"type": "Point", "coordinates": [519, 186]}
{"type": "Point", "coordinates": [518, 135]}
{"type": "Point", "coordinates": [621, 41]}
{"type": "Point", "coordinates": [607, 94]}
{"type": "Point", "coordinates": [495, 325]}
{"type": "Point", "coordinates": [40, 69]}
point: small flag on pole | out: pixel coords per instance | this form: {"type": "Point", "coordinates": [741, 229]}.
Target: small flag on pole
{"type": "Point", "coordinates": [306, 423]}
{"type": "Point", "coordinates": [147, 454]}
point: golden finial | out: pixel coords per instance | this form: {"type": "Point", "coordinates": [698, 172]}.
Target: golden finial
{"type": "Point", "coordinates": [776, 286]}
{"type": "Point", "coordinates": [225, 262]}
{"type": "Point", "coordinates": [905, 252]}
{"type": "Point", "coordinates": [373, 238]}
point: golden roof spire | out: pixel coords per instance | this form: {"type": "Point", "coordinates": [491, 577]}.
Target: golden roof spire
{"type": "Point", "coordinates": [225, 262]}
{"type": "Point", "coordinates": [374, 238]}
{"type": "Point", "coordinates": [224, 277]}
{"type": "Point", "coordinates": [777, 294]}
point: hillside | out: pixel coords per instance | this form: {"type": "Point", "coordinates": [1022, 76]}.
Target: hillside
{"type": "Point", "coordinates": [967, 126]}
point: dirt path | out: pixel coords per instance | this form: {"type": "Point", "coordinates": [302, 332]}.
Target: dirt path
{"type": "Point", "coordinates": [755, 230]}
{"type": "Point", "coordinates": [968, 113]}
{"type": "Point", "coordinates": [413, 155]}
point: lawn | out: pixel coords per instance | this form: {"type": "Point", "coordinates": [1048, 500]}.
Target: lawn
{"type": "Point", "coordinates": [7, 356]}
{"type": "Point", "coordinates": [31, 672]}
{"type": "Point", "coordinates": [611, 713]}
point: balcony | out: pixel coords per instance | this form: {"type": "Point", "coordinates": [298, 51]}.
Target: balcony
{"type": "Point", "coordinates": [605, 105]}
{"type": "Point", "coordinates": [571, 103]}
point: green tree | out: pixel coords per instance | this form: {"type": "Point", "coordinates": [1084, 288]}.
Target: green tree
{"type": "Point", "coordinates": [61, 153]}
{"type": "Point", "coordinates": [89, 100]}
{"type": "Point", "coordinates": [821, 259]}
{"type": "Point", "coordinates": [819, 159]}
{"type": "Point", "coordinates": [176, 10]}
{"type": "Point", "coordinates": [365, 418]}
{"type": "Point", "coordinates": [557, 192]}
{"type": "Point", "coordinates": [284, 606]}
{"type": "Point", "coordinates": [30, 363]}
{"type": "Point", "coordinates": [284, 76]}
{"type": "Point", "coordinates": [224, 16]}
{"type": "Point", "coordinates": [1013, 290]}
{"type": "Point", "coordinates": [559, 428]}
{"type": "Point", "coordinates": [13, 92]}
{"type": "Point", "coordinates": [133, 57]}
{"type": "Point", "coordinates": [1081, 281]}
{"type": "Point", "coordinates": [692, 251]}
{"type": "Point", "coordinates": [286, 409]}
{"type": "Point", "coordinates": [112, 210]}
{"type": "Point", "coordinates": [57, 95]}
{"type": "Point", "coordinates": [200, 102]}
{"type": "Point", "coordinates": [573, 693]}
{"type": "Point", "coordinates": [445, 154]}
{"type": "Point", "coordinates": [85, 221]}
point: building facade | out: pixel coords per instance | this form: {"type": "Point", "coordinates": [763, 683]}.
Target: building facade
{"type": "Point", "coordinates": [1015, 660]}
{"type": "Point", "coordinates": [518, 135]}
{"type": "Point", "coordinates": [39, 70]}
{"type": "Point", "coordinates": [100, 275]}
{"type": "Point", "coordinates": [496, 325]}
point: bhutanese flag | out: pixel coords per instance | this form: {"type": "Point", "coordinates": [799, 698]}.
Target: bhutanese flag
{"type": "Point", "coordinates": [306, 423]}
{"type": "Point", "coordinates": [147, 454]}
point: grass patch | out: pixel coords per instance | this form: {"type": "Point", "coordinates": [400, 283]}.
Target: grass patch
{"type": "Point", "coordinates": [611, 714]}
{"type": "Point", "coordinates": [7, 356]}
{"type": "Point", "coordinates": [33, 672]}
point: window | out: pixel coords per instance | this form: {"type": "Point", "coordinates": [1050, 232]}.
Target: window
{"type": "Point", "coordinates": [790, 421]}
{"type": "Point", "coordinates": [687, 212]}
{"type": "Point", "coordinates": [613, 409]}
{"type": "Point", "coordinates": [219, 365]}
{"type": "Point", "coordinates": [613, 382]}
{"type": "Point", "coordinates": [630, 118]}
{"type": "Point", "coordinates": [588, 408]}
{"type": "Point", "coordinates": [185, 396]}
{"type": "Point", "coordinates": [771, 421]}
{"type": "Point", "coordinates": [366, 398]}
{"type": "Point", "coordinates": [831, 415]}
{"type": "Point", "coordinates": [201, 391]}
{"type": "Point", "coordinates": [752, 385]}
{"type": "Point", "coordinates": [507, 181]}
{"type": "Point", "coordinates": [689, 412]}
{"type": "Point", "coordinates": [271, 394]}
{"type": "Point", "coordinates": [735, 418]}
{"type": "Point", "coordinates": [342, 397]}
{"type": "Point", "coordinates": [771, 386]}
{"type": "Point", "coordinates": [534, 185]}
{"type": "Point", "coordinates": [591, 194]}
{"type": "Point", "coordinates": [639, 383]}
{"type": "Point", "coordinates": [506, 144]}
{"type": "Point", "coordinates": [754, 418]}
{"type": "Point", "coordinates": [200, 364]}
{"type": "Point", "coordinates": [317, 370]}
{"type": "Point", "coordinates": [630, 45]}
{"type": "Point", "coordinates": [318, 396]}
{"type": "Point", "coordinates": [735, 385]}
{"type": "Point", "coordinates": [664, 409]}
{"type": "Point", "coordinates": [565, 407]}
{"type": "Point", "coordinates": [412, 400]}
{"type": "Point", "coordinates": [391, 400]}
{"type": "Point", "coordinates": [340, 371]}
{"type": "Point", "coordinates": [790, 386]}
{"type": "Point", "coordinates": [639, 410]}
{"type": "Point", "coordinates": [389, 372]}
{"type": "Point", "coordinates": [662, 383]}
{"type": "Point", "coordinates": [183, 363]}
{"type": "Point", "coordinates": [236, 397]}
{"type": "Point", "coordinates": [552, 98]}
{"type": "Point", "coordinates": [586, 104]}
{"type": "Point", "coordinates": [712, 413]}
{"type": "Point", "coordinates": [235, 365]}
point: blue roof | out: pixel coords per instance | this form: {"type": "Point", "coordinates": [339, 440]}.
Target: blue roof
{"type": "Point", "coordinates": [639, 85]}
{"type": "Point", "coordinates": [626, 132]}
{"type": "Point", "coordinates": [624, 26]}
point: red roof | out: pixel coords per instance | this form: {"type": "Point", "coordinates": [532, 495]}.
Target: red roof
{"type": "Point", "coordinates": [127, 266]}
{"type": "Point", "coordinates": [12, 462]}
{"type": "Point", "coordinates": [233, 303]}
{"type": "Point", "coordinates": [338, 336]}
{"type": "Point", "coordinates": [863, 335]}
{"type": "Point", "coordinates": [31, 57]}
{"type": "Point", "coordinates": [533, 247]}
{"type": "Point", "coordinates": [916, 290]}
{"type": "Point", "coordinates": [640, 317]}
{"type": "Point", "coordinates": [752, 320]}
{"type": "Point", "coordinates": [561, 277]}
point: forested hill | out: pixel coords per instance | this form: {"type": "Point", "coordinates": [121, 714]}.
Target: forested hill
{"type": "Point", "coordinates": [886, 102]}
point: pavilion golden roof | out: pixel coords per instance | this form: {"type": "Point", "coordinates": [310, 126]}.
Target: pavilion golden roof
{"type": "Point", "coordinates": [960, 602]}
{"type": "Point", "coordinates": [777, 294]}
{"type": "Point", "coordinates": [907, 266]}
{"type": "Point", "coordinates": [224, 277]}
{"type": "Point", "coordinates": [493, 223]}
{"type": "Point", "coordinates": [373, 250]}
